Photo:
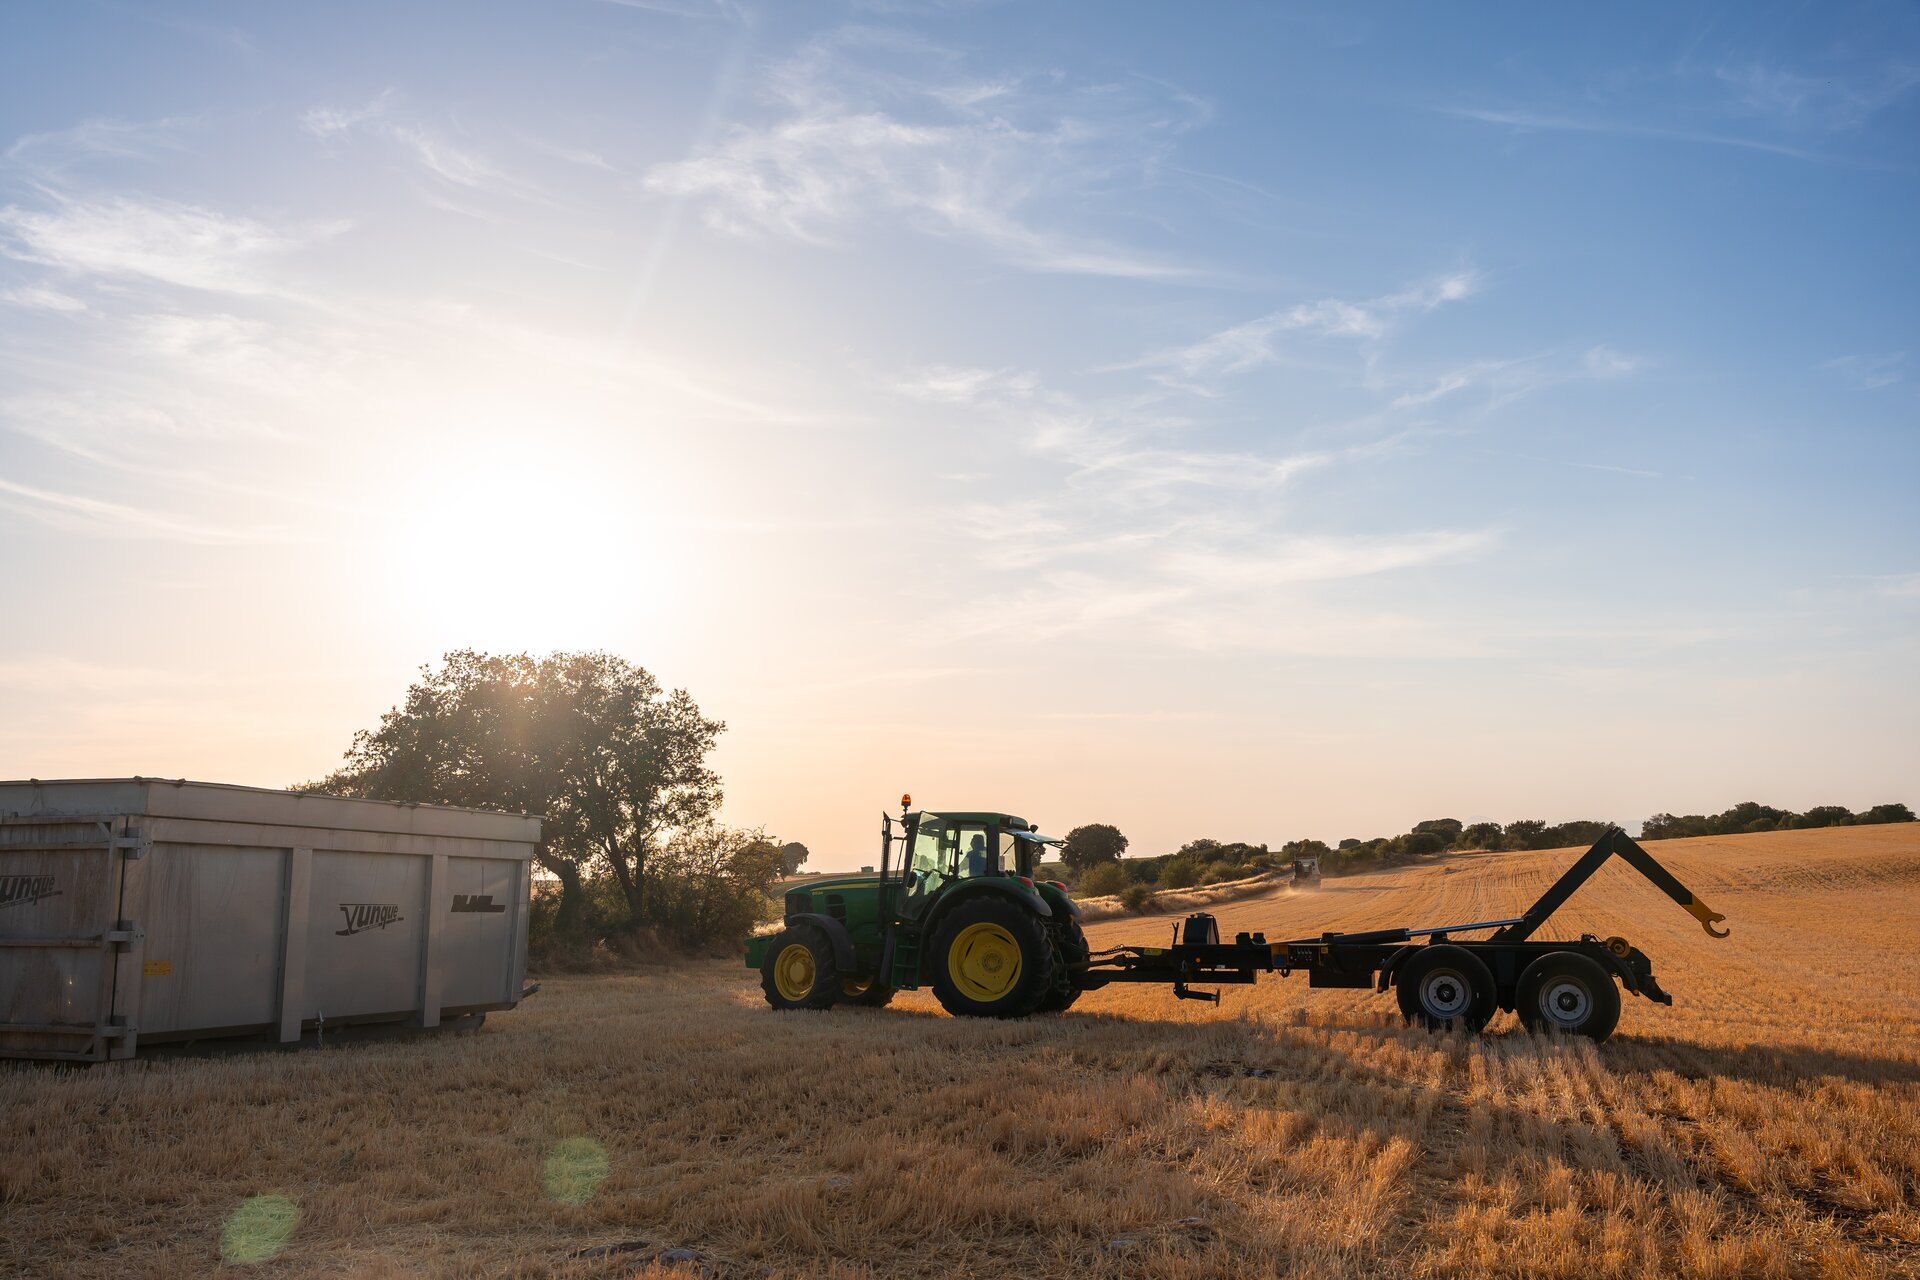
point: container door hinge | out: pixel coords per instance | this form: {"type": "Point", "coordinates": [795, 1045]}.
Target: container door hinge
{"type": "Point", "coordinates": [132, 848]}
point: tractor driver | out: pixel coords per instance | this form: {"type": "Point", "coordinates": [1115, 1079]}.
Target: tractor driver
{"type": "Point", "coordinates": [977, 856]}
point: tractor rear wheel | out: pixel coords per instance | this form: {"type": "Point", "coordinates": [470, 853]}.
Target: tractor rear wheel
{"type": "Point", "coordinates": [799, 971]}
{"type": "Point", "coordinates": [1070, 953]}
{"type": "Point", "coordinates": [991, 959]}
{"type": "Point", "coordinates": [1566, 991]}
{"type": "Point", "coordinates": [1444, 986]}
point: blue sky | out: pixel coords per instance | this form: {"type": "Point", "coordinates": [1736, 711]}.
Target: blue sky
{"type": "Point", "coordinates": [1249, 421]}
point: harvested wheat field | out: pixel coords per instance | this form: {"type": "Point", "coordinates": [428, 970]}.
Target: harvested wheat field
{"type": "Point", "coordinates": [1767, 1125]}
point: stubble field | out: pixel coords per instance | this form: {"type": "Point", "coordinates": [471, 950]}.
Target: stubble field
{"type": "Point", "coordinates": [1767, 1125]}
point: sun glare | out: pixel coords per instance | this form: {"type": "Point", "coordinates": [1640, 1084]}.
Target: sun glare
{"type": "Point", "coordinates": [512, 549]}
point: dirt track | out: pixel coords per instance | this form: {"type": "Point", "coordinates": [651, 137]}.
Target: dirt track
{"type": "Point", "coordinates": [1768, 1125]}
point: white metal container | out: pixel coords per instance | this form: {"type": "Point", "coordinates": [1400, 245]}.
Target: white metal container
{"type": "Point", "coordinates": [140, 909]}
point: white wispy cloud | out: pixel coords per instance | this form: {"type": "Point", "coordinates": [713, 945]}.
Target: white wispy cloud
{"type": "Point", "coordinates": [1829, 101]}
{"type": "Point", "coordinates": [1605, 362]}
{"type": "Point", "coordinates": [41, 298]}
{"type": "Point", "coordinates": [1501, 382]}
{"type": "Point", "coordinates": [80, 513]}
{"type": "Point", "coordinates": [1256, 343]}
{"type": "Point", "coordinates": [163, 240]}
{"type": "Point", "coordinates": [1897, 586]}
{"type": "Point", "coordinates": [1870, 372]}
{"type": "Point", "coordinates": [1557, 123]}
{"type": "Point", "coordinates": [58, 149]}
{"type": "Point", "coordinates": [852, 140]}
{"type": "Point", "coordinates": [1140, 522]}
{"type": "Point", "coordinates": [730, 10]}
{"type": "Point", "coordinates": [330, 122]}
{"type": "Point", "coordinates": [1290, 559]}
{"type": "Point", "coordinates": [960, 385]}
{"type": "Point", "coordinates": [443, 160]}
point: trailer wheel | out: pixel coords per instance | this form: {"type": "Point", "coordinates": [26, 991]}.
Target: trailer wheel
{"type": "Point", "coordinates": [1566, 991]}
{"type": "Point", "coordinates": [991, 959]}
{"type": "Point", "coordinates": [1446, 986]}
{"type": "Point", "coordinates": [799, 972]}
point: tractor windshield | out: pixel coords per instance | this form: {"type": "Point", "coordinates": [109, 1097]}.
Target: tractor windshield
{"type": "Point", "coordinates": [945, 850]}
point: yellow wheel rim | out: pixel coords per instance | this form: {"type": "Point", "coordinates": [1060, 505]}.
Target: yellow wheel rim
{"type": "Point", "coordinates": [984, 962]}
{"type": "Point", "coordinates": [793, 971]}
{"type": "Point", "coordinates": [854, 988]}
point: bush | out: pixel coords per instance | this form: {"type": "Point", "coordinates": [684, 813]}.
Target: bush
{"type": "Point", "coordinates": [710, 885]}
{"type": "Point", "coordinates": [1179, 873]}
{"type": "Point", "coordinates": [1423, 842]}
{"type": "Point", "coordinates": [1217, 875]}
{"type": "Point", "coordinates": [1137, 897]}
{"type": "Point", "coordinates": [1481, 835]}
{"type": "Point", "coordinates": [1106, 879]}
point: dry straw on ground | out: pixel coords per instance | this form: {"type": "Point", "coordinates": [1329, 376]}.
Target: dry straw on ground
{"type": "Point", "coordinates": [1769, 1125]}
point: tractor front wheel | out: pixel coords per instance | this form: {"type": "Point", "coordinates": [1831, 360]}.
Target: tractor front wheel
{"type": "Point", "coordinates": [799, 972]}
{"type": "Point", "coordinates": [991, 959]}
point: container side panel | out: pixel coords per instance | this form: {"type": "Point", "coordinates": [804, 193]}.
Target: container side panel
{"type": "Point", "coordinates": [482, 913]}
{"type": "Point", "coordinates": [212, 952]}
{"type": "Point", "coordinates": [54, 895]}
{"type": "Point", "coordinates": [364, 934]}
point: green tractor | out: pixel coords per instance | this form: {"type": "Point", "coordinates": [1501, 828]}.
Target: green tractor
{"type": "Point", "coordinates": [963, 914]}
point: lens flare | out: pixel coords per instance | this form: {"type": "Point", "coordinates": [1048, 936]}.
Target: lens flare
{"type": "Point", "coordinates": [259, 1229]}
{"type": "Point", "coordinates": [576, 1169]}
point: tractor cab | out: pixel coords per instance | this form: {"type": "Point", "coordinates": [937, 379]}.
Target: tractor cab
{"type": "Point", "coordinates": [942, 849]}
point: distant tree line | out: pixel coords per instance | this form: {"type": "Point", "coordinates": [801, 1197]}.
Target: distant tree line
{"type": "Point", "coordinates": [1750, 816]}
{"type": "Point", "coordinates": [1092, 858]}
{"type": "Point", "coordinates": [1092, 854]}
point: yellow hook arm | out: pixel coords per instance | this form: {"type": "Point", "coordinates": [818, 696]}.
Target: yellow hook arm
{"type": "Point", "coordinates": [1707, 917]}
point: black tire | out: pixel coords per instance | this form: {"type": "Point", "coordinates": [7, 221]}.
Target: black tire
{"type": "Point", "coordinates": [796, 984]}
{"type": "Point", "coordinates": [871, 994]}
{"type": "Point", "coordinates": [991, 958]}
{"type": "Point", "coordinates": [1566, 991]}
{"type": "Point", "coordinates": [1444, 986]}
{"type": "Point", "coordinates": [1070, 954]}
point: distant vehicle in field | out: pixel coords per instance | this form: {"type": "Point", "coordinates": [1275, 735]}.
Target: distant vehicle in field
{"type": "Point", "coordinates": [1306, 871]}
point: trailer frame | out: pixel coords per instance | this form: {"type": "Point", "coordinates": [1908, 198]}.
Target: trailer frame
{"type": "Point", "coordinates": [1376, 958]}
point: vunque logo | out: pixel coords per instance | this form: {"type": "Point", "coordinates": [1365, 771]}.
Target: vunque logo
{"type": "Point", "coordinates": [362, 916]}
{"type": "Point", "coordinates": [482, 902]}
{"type": "Point", "coordinates": [18, 891]}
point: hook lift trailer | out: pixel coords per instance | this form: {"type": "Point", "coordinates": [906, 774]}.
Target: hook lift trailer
{"type": "Point", "coordinates": [964, 914]}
